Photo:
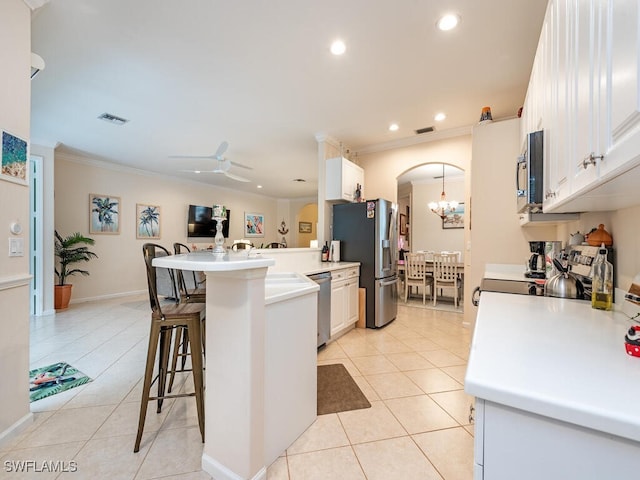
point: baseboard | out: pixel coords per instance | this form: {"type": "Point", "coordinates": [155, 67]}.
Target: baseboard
{"type": "Point", "coordinates": [220, 472]}
{"type": "Point", "coordinates": [108, 297]}
{"type": "Point", "coordinates": [16, 429]}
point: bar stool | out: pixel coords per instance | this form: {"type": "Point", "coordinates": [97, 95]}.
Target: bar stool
{"type": "Point", "coordinates": [164, 320]}
{"type": "Point", "coordinates": [186, 295]}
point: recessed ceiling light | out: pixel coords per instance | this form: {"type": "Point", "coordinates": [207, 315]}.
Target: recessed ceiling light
{"type": "Point", "coordinates": [393, 127]}
{"type": "Point", "coordinates": [448, 22]}
{"type": "Point", "coordinates": [439, 117]}
{"type": "Point", "coordinates": [338, 47]}
{"type": "Point", "coordinates": [258, 186]}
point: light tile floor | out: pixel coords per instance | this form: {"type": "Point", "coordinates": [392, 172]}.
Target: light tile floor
{"type": "Point", "coordinates": [412, 371]}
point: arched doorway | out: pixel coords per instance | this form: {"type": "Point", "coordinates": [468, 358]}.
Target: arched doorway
{"type": "Point", "coordinates": [420, 229]}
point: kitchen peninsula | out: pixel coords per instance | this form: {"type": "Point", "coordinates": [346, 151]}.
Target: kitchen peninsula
{"type": "Point", "coordinates": [252, 413]}
{"type": "Point", "coordinates": [556, 392]}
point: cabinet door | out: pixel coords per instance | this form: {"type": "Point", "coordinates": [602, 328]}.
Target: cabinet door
{"type": "Point", "coordinates": [352, 311]}
{"type": "Point", "coordinates": [338, 306]}
{"type": "Point", "coordinates": [623, 63]}
{"type": "Point", "coordinates": [557, 142]}
{"type": "Point", "coordinates": [585, 42]}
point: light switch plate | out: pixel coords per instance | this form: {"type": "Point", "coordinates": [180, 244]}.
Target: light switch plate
{"type": "Point", "coordinates": [16, 247]}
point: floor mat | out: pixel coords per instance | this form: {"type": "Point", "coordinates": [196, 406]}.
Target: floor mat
{"type": "Point", "coordinates": [52, 379]}
{"type": "Point", "coordinates": [338, 391]}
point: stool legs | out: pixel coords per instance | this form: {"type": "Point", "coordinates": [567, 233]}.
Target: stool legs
{"type": "Point", "coordinates": [160, 340]}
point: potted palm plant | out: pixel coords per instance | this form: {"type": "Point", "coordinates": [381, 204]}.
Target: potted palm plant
{"type": "Point", "coordinates": [70, 250]}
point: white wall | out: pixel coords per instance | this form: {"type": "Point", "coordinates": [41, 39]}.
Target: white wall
{"type": "Point", "coordinates": [381, 169]}
{"type": "Point", "coordinates": [426, 227]}
{"type": "Point", "coordinates": [120, 268]}
{"type": "Point", "coordinates": [15, 91]}
{"type": "Point", "coordinates": [496, 235]}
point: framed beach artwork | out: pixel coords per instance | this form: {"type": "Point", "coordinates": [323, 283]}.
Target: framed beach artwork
{"type": "Point", "coordinates": [148, 221]}
{"type": "Point", "coordinates": [15, 165]}
{"type": "Point", "coordinates": [253, 224]}
{"type": "Point", "coordinates": [104, 214]}
{"type": "Point", "coordinates": [454, 219]}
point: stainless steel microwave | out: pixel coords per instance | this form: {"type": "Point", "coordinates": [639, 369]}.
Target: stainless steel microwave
{"type": "Point", "coordinates": [529, 175]}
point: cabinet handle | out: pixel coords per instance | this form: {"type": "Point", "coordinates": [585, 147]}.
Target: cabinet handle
{"type": "Point", "coordinates": [550, 194]}
{"type": "Point", "coordinates": [591, 160]}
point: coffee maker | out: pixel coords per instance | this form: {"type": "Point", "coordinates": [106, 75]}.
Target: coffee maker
{"type": "Point", "coordinates": [537, 265]}
{"type": "Point", "coordinates": [540, 263]}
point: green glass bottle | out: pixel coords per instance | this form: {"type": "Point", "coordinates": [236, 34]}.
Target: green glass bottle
{"type": "Point", "coordinates": [602, 281]}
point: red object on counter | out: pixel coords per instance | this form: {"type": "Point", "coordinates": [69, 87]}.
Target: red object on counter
{"type": "Point", "coordinates": [632, 341]}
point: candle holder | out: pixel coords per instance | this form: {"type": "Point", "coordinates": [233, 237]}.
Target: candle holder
{"type": "Point", "coordinates": [219, 250]}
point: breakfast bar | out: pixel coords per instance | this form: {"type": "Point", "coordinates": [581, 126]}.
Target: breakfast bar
{"type": "Point", "coordinates": [241, 373]}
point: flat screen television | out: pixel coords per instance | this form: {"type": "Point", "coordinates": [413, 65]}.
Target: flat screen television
{"type": "Point", "coordinates": [202, 224]}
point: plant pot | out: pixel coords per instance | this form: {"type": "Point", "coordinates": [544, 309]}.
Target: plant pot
{"type": "Point", "coordinates": [62, 296]}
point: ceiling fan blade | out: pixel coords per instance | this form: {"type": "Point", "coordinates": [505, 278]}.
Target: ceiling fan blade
{"type": "Point", "coordinates": [191, 156]}
{"type": "Point", "coordinates": [236, 177]}
{"type": "Point", "coordinates": [221, 149]}
{"type": "Point", "coordinates": [235, 164]}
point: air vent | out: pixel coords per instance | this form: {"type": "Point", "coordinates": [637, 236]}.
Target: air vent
{"type": "Point", "coordinates": [107, 117]}
{"type": "Point", "coordinates": [424, 130]}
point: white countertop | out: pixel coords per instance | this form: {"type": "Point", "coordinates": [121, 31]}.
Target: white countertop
{"type": "Point", "coordinates": [506, 272]}
{"type": "Point", "coordinates": [328, 267]}
{"type": "Point", "coordinates": [558, 358]}
{"type": "Point", "coordinates": [207, 262]}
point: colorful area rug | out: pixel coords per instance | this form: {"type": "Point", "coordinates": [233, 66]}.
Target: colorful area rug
{"type": "Point", "coordinates": [52, 379]}
{"type": "Point", "coordinates": [338, 391]}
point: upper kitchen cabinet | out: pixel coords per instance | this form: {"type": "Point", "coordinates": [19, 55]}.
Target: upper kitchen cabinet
{"type": "Point", "coordinates": [591, 113]}
{"type": "Point", "coordinates": [343, 178]}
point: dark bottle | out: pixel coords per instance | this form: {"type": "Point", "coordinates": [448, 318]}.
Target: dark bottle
{"type": "Point", "coordinates": [325, 252]}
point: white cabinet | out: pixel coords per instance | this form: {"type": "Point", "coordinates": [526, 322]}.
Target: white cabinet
{"type": "Point", "coordinates": [342, 179]}
{"type": "Point", "coordinates": [512, 443]}
{"type": "Point", "coordinates": [344, 298]}
{"type": "Point", "coordinates": [585, 94]}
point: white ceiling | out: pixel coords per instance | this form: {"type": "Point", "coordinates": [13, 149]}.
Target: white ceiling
{"type": "Point", "coordinates": [258, 74]}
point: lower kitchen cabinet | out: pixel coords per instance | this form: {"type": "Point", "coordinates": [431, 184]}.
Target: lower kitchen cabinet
{"type": "Point", "coordinates": [344, 298]}
{"type": "Point", "coordinates": [512, 443]}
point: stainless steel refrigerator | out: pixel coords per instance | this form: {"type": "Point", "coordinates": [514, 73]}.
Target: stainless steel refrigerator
{"type": "Point", "coordinates": [368, 234]}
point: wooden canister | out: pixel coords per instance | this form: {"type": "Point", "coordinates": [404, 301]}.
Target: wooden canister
{"type": "Point", "coordinates": [599, 237]}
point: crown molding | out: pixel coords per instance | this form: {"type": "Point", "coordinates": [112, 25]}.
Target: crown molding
{"type": "Point", "coordinates": [415, 140]}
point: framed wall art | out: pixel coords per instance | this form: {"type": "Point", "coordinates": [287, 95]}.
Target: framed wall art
{"type": "Point", "coordinates": [403, 224]}
{"type": "Point", "coordinates": [304, 227]}
{"type": "Point", "coordinates": [104, 214]}
{"type": "Point", "coordinates": [253, 224]}
{"type": "Point", "coordinates": [148, 221]}
{"type": "Point", "coordinates": [15, 165]}
{"type": "Point", "coordinates": [454, 219]}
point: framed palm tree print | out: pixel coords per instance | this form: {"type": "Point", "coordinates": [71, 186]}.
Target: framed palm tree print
{"type": "Point", "coordinates": [104, 211]}
{"type": "Point", "coordinates": [148, 218]}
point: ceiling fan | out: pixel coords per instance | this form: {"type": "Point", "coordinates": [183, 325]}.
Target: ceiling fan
{"type": "Point", "coordinates": [222, 166]}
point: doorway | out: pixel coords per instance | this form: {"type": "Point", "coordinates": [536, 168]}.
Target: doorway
{"type": "Point", "coordinates": [422, 230]}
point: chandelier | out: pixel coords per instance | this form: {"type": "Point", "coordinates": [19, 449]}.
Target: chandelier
{"type": "Point", "coordinates": [443, 207]}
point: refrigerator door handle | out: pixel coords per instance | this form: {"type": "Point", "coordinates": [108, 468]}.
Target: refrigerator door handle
{"type": "Point", "coordinates": [390, 282]}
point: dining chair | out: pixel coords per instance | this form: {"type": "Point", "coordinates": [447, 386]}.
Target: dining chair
{"type": "Point", "coordinates": [415, 274]}
{"type": "Point", "coordinates": [165, 319]}
{"type": "Point", "coordinates": [445, 275]}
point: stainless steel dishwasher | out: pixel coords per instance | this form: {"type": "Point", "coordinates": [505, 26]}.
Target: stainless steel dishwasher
{"type": "Point", "coordinates": [324, 306]}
